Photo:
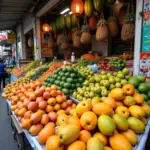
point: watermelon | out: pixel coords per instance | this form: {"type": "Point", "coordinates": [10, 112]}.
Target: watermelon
{"type": "Point", "coordinates": [99, 4]}
{"type": "Point", "coordinates": [73, 20]}
{"type": "Point", "coordinates": [88, 7]}
{"type": "Point", "coordinates": [68, 21]}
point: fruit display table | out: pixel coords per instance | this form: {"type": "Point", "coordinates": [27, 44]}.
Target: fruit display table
{"type": "Point", "coordinates": [13, 78]}
{"type": "Point", "coordinates": [142, 138]}
{"type": "Point", "coordinates": [32, 139]}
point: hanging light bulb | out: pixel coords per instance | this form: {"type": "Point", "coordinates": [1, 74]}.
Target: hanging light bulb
{"type": "Point", "coordinates": [46, 27]}
{"type": "Point", "coordinates": [77, 7]}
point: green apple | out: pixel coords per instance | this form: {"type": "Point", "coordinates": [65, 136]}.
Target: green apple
{"type": "Point", "coordinates": [124, 81]}
{"type": "Point", "coordinates": [109, 74]}
{"type": "Point", "coordinates": [106, 83]}
{"type": "Point", "coordinates": [115, 73]}
{"type": "Point", "coordinates": [91, 84]}
{"type": "Point", "coordinates": [86, 94]}
{"type": "Point", "coordinates": [84, 98]}
{"type": "Point", "coordinates": [97, 79]}
{"type": "Point", "coordinates": [118, 85]}
{"type": "Point", "coordinates": [112, 86]}
{"type": "Point", "coordinates": [127, 77]}
{"type": "Point", "coordinates": [80, 98]}
{"type": "Point", "coordinates": [101, 82]}
{"type": "Point", "coordinates": [92, 80]}
{"type": "Point", "coordinates": [104, 77]}
{"type": "Point", "coordinates": [104, 93]}
{"type": "Point", "coordinates": [103, 88]}
{"type": "Point", "coordinates": [97, 89]}
{"type": "Point", "coordinates": [78, 89]}
{"type": "Point", "coordinates": [97, 84]}
{"type": "Point", "coordinates": [75, 94]}
{"type": "Point", "coordinates": [81, 92]}
{"type": "Point", "coordinates": [120, 75]}
{"type": "Point", "coordinates": [91, 94]}
{"type": "Point", "coordinates": [103, 72]}
{"type": "Point", "coordinates": [112, 80]}
{"type": "Point", "coordinates": [86, 83]}
{"type": "Point", "coordinates": [87, 88]}
{"type": "Point", "coordinates": [117, 79]}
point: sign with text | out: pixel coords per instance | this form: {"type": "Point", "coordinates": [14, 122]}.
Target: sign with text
{"type": "Point", "coordinates": [46, 52]}
{"type": "Point", "coordinates": [11, 38]}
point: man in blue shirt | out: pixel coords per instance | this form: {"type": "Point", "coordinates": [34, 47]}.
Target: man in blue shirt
{"type": "Point", "coordinates": [2, 73]}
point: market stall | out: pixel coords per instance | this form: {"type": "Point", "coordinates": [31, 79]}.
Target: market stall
{"type": "Point", "coordinates": [84, 83]}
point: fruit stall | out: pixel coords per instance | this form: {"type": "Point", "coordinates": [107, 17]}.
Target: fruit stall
{"type": "Point", "coordinates": [84, 96]}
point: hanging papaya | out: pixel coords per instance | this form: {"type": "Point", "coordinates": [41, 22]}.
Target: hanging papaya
{"type": "Point", "coordinates": [58, 23]}
{"type": "Point", "coordinates": [88, 7]}
{"type": "Point", "coordinates": [68, 21]}
{"type": "Point", "coordinates": [73, 20]}
{"type": "Point", "coordinates": [99, 4]}
{"type": "Point", "coordinates": [62, 22]}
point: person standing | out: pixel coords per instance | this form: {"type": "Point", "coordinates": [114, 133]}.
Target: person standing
{"type": "Point", "coordinates": [2, 73]}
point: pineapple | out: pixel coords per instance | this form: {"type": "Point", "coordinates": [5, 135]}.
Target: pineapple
{"type": "Point", "coordinates": [64, 42]}
{"type": "Point", "coordinates": [102, 30]}
{"type": "Point", "coordinates": [113, 26]}
{"type": "Point", "coordinates": [86, 37]}
{"type": "Point", "coordinates": [128, 28]}
{"type": "Point", "coordinates": [76, 39]}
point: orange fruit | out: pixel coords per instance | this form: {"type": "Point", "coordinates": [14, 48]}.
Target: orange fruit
{"type": "Point", "coordinates": [128, 89]}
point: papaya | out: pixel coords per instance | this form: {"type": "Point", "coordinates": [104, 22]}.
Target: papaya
{"type": "Point", "coordinates": [68, 134]}
{"type": "Point", "coordinates": [131, 136]}
{"type": "Point", "coordinates": [121, 122]}
{"type": "Point", "coordinates": [46, 132]}
{"type": "Point", "coordinates": [99, 4]}
{"type": "Point", "coordinates": [88, 7]}
{"type": "Point", "coordinates": [94, 143]}
{"type": "Point", "coordinates": [106, 125]}
{"type": "Point", "coordinates": [74, 20]}
{"type": "Point", "coordinates": [119, 142]}
{"type": "Point", "coordinates": [68, 21]}
{"type": "Point", "coordinates": [62, 22]}
{"type": "Point", "coordinates": [136, 125]}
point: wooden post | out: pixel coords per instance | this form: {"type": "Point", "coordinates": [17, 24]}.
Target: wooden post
{"type": "Point", "coordinates": [138, 39]}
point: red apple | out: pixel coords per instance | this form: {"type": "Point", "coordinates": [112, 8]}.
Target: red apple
{"type": "Point", "coordinates": [33, 106]}
{"type": "Point", "coordinates": [64, 105]}
{"type": "Point", "coordinates": [46, 95]}
{"type": "Point", "coordinates": [39, 92]}
{"type": "Point", "coordinates": [32, 96]}
{"type": "Point", "coordinates": [42, 104]}
{"type": "Point", "coordinates": [39, 99]}
{"type": "Point", "coordinates": [69, 102]}
{"type": "Point", "coordinates": [68, 109]}
{"type": "Point", "coordinates": [52, 116]}
{"type": "Point", "coordinates": [59, 92]}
